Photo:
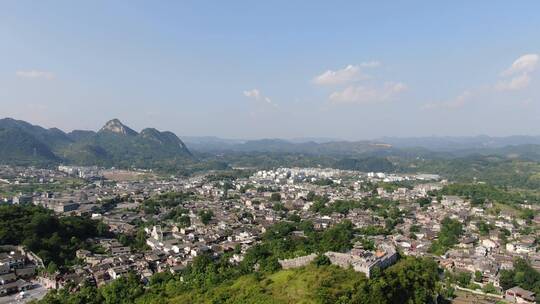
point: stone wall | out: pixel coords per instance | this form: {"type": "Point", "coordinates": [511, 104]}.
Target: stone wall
{"type": "Point", "coordinates": [297, 262]}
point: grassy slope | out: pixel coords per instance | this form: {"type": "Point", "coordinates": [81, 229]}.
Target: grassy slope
{"type": "Point", "coordinates": [302, 285]}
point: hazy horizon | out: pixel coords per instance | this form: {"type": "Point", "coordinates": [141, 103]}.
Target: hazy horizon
{"type": "Point", "coordinates": [243, 70]}
{"type": "Point", "coordinates": [292, 139]}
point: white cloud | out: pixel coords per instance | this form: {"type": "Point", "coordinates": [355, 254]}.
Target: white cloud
{"type": "Point", "coordinates": [516, 77]}
{"type": "Point", "coordinates": [363, 94]}
{"type": "Point", "coordinates": [519, 72]}
{"type": "Point", "coordinates": [515, 83]}
{"type": "Point", "coordinates": [350, 73]}
{"type": "Point", "coordinates": [353, 90]}
{"type": "Point", "coordinates": [35, 74]}
{"type": "Point", "coordinates": [256, 95]}
{"type": "Point", "coordinates": [524, 64]}
{"type": "Point", "coordinates": [253, 94]}
{"type": "Point", "coordinates": [457, 102]}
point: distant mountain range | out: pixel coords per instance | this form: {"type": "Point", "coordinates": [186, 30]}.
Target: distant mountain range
{"type": "Point", "coordinates": [113, 145]}
{"type": "Point", "coordinates": [449, 146]}
{"type": "Point", "coordinates": [460, 143]}
{"type": "Point", "coordinates": [313, 146]}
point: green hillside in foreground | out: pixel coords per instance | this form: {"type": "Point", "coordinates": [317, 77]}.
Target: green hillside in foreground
{"type": "Point", "coordinates": [411, 280]}
{"type": "Point", "coordinates": [305, 285]}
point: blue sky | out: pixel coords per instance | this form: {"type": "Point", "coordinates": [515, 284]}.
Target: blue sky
{"type": "Point", "coordinates": [254, 69]}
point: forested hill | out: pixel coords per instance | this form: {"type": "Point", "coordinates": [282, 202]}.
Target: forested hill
{"type": "Point", "coordinates": [114, 145]}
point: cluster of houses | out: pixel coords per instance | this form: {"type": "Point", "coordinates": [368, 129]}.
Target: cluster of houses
{"type": "Point", "coordinates": [17, 267]}
{"type": "Point", "coordinates": [484, 251]}
{"type": "Point", "coordinates": [242, 209]}
{"type": "Point", "coordinates": [92, 172]}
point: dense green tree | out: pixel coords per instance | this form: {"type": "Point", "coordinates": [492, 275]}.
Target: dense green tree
{"type": "Point", "coordinates": [136, 242]}
{"type": "Point", "coordinates": [294, 218]}
{"type": "Point", "coordinates": [275, 197]}
{"type": "Point", "coordinates": [463, 278]}
{"type": "Point", "coordinates": [122, 291]}
{"type": "Point", "coordinates": [490, 288]}
{"type": "Point", "coordinates": [321, 260]}
{"type": "Point", "coordinates": [484, 228]}
{"type": "Point", "coordinates": [478, 276]}
{"type": "Point", "coordinates": [310, 196]}
{"type": "Point", "coordinates": [448, 236]}
{"type": "Point", "coordinates": [54, 239]}
{"type": "Point", "coordinates": [278, 207]}
{"type": "Point", "coordinates": [523, 275]}
{"type": "Point", "coordinates": [206, 216]}
{"type": "Point", "coordinates": [423, 201]}
{"type": "Point", "coordinates": [337, 238]}
{"type": "Point", "coordinates": [324, 182]}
